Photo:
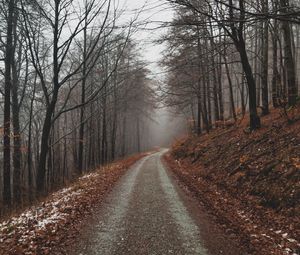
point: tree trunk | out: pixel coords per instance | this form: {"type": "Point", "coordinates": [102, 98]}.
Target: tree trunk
{"type": "Point", "coordinates": [254, 118]}
{"type": "Point", "coordinates": [7, 88]}
{"type": "Point", "coordinates": [16, 137]}
{"type": "Point", "coordinates": [81, 130]}
{"type": "Point", "coordinates": [124, 140]}
{"type": "Point", "coordinates": [104, 131]}
{"type": "Point", "coordinates": [275, 78]}
{"type": "Point", "coordinates": [220, 92]}
{"type": "Point", "coordinates": [214, 75]}
{"type": "Point", "coordinates": [199, 112]}
{"type": "Point", "coordinates": [256, 63]}
{"type": "Point", "coordinates": [243, 97]}
{"type": "Point", "coordinates": [265, 62]}
{"type": "Point", "coordinates": [289, 60]}
{"type": "Point", "coordinates": [29, 153]}
{"type": "Point", "coordinates": [114, 135]}
{"type": "Point", "coordinates": [230, 87]}
{"type": "Point", "coordinates": [41, 171]}
{"type": "Point", "coordinates": [138, 134]}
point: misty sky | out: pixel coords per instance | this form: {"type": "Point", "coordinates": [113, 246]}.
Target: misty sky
{"type": "Point", "coordinates": [153, 12]}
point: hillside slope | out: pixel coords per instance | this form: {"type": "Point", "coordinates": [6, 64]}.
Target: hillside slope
{"type": "Point", "coordinates": [251, 181]}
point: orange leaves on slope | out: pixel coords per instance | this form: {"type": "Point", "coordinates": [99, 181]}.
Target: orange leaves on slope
{"type": "Point", "coordinates": [244, 159]}
{"type": "Point", "coordinates": [296, 162]}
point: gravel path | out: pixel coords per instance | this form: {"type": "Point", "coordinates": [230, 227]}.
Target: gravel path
{"type": "Point", "coordinates": [147, 213]}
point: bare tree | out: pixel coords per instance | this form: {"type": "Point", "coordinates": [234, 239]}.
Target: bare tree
{"type": "Point", "coordinates": [9, 51]}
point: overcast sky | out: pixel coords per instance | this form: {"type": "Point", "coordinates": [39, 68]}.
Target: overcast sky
{"type": "Point", "coordinates": [153, 12]}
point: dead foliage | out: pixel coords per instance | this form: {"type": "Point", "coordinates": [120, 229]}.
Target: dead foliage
{"type": "Point", "coordinates": [250, 179]}
{"type": "Point", "coordinates": [51, 226]}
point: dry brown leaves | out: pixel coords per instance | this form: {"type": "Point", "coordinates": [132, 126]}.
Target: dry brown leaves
{"type": "Point", "coordinates": [251, 180]}
{"type": "Point", "coordinates": [49, 227]}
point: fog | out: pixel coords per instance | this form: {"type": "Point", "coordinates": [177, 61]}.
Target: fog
{"type": "Point", "coordinates": [166, 128]}
{"type": "Point", "coordinates": [150, 15]}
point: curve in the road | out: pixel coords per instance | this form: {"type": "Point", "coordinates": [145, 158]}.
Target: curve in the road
{"type": "Point", "coordinates": [144, 214]}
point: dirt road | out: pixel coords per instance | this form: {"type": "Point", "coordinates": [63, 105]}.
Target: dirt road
{"type": "Point", "coordinates": [148, 213]}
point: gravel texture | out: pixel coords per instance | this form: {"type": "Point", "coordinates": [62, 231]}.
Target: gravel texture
{"type": "Point", "coordinates": [148, 213]}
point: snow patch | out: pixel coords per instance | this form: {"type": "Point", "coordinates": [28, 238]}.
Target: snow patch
{"type": "Point", "coordinates": [285, 235]}
{"type": "Point", "coordinates": [43, 217]}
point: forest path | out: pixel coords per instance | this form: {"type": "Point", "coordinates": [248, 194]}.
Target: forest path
{"type": "Point", "coordinates": [148, 213]}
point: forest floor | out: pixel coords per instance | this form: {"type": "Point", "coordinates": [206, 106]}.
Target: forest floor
{"type": "Point", "coordinates": [53, 223]}
{"type": "Point", "coordinates": [249, 180]}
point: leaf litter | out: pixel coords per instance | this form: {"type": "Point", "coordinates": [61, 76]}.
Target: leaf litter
{"type": "Point", "coordinates": [49, 227]}
{"type": "Point", "coordinates": [250, 181]}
